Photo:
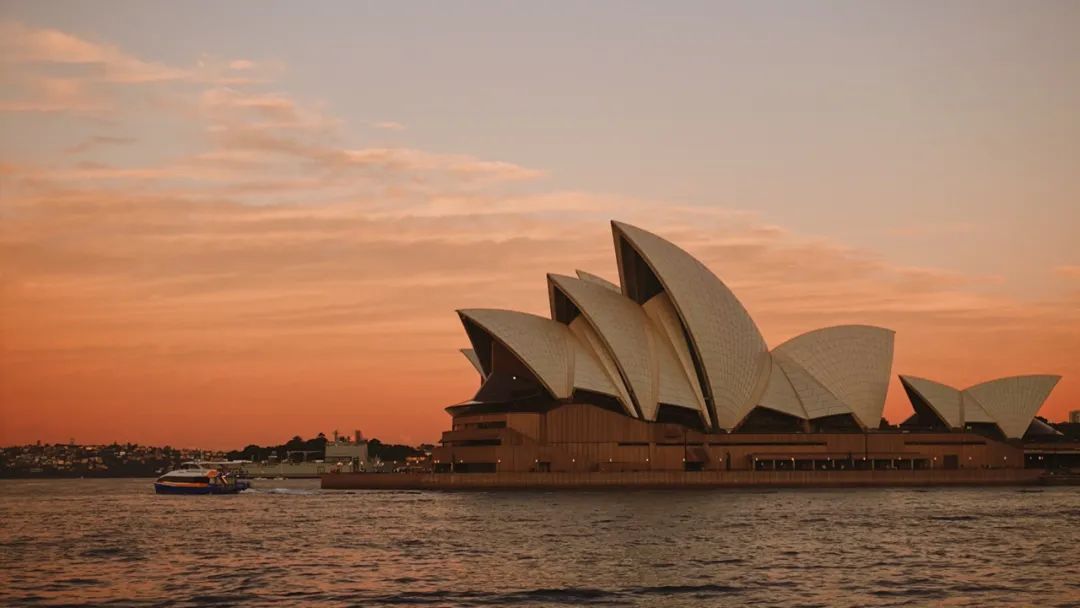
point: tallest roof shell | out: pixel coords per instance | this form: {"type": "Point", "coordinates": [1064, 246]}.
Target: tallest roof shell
{"type": "Point", "coordinates": [732, 358]}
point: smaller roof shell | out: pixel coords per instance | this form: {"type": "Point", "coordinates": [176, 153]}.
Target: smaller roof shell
{"type": "Point", "coordinates": [624, 331]}
{"type": "Point", "coordinates": [853, 362]}
{"type": "Point", "coordinates": [1013, 401]}
{"type": "Point", "coordinates": [817, 401]}
{"type": "Point", "coordinates": [780, 395]}
{"type": "Point", "coordinates": [732, 353]}
{"type": "Point", "coordinates": [470, 354]}
{"type": "Point", "coordinates": [540, 344]}
{"type": "Point", "coordinates": [597, 279]}
{"type": "Point", "coordinates": [1010, 403]}
{"type": "Point", "coordinates": [944, 400]}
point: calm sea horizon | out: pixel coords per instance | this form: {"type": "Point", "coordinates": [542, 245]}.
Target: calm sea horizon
{"type": "Point", "coordinates": [113, 542]}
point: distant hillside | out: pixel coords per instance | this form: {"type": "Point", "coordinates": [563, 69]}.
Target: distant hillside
{"type": "Point", "coordinates": [316, 448]}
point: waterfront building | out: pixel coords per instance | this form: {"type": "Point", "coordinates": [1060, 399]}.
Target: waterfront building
{"type": "Point", "coordinates": [667, 371]}
{"type": "Point", "coordinates": [342, 454]}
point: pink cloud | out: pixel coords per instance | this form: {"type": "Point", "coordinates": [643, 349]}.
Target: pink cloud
{"type": "Point", "coordinates": [1069, 272]}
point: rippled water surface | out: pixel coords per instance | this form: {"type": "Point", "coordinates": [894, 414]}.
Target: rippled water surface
{"type": "Point", "coordinates": [95, 542]}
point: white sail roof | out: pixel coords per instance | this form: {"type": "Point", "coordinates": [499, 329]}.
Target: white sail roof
{"type": "Point", "coordinates": [972, 411]}
{"type": "Point", "coordinates": [1013, 401]}
{"type": "Point", "coordinates": [470, 354]}
{"type": "Point", "coordinates": [597, 279]}
{"type": "Point", "coordinates": [678, 380]}
{"type": "Point", "coordinates": [1009, 402]}
{"type": "Point", "coordinates": [729, 347]}
{"type": "Point", "coordinates": [944, 400]}
{"type": "Point", "coordinates": [853, 362]}
{"type": "Point", "coordinates": [780, 395]}
{"type": "Point", "coordinates": [625, 332]}
{"type": "Point", "coordinates": [540, 344]}
{"type": "Point", "coordinates": [817, 401]}
{"type": "Point", "coordinates": [596, 370]}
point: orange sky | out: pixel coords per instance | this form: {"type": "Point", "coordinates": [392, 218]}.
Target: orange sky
{"type": "Point", "coordinates": [240, 270]}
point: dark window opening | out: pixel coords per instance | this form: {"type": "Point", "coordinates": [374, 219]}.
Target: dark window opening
{"type": "Point", "coordinates": [476, 442]}
{"type": "Point", "coordinates": [638, 279]}
{"type": "Point", "coordinates": [537, 403]}
{"type": "Point", "coordinates": [504, 386]}
{"type": "Point", "coordinates": [838, 423]}
{"type": "Point", "coordinates": [699, 371]}
{"type": "Point", "coordinates": [481, 343]}
{"type": "Point", "coordinates": [565, 311]}
{"type": "Point", "coordinates": [1052, 461]}
{"type": "Point", "coordinates": [509, 380]}
{"type": "Point", "coordinates": [673, 414]}
{"type": "Point", "coordinates": [765, 420]}
{"type": "Point", "coordinates": [924, 418]}
{"type": "Point", "coordinates": [600, 400]}
{"type": "Point", "coordinates": [986, 429]}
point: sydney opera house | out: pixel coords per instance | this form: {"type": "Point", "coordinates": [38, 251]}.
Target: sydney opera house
{"type": "Point", "coordinates": [667, 371]}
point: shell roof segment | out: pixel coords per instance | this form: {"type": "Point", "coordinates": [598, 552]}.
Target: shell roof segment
{"type": "Point", "coordinates": [604, 377]}
{"type": "Point", "coordinates": [597, 279]}
{"type": "Point", "coordinates": [1010, 402]}
{"type": "Point", "coordinates": [945, 400]}
{"type": "Point", "coordinates": [853, 362]}
{"type": "Point", "coordinates": [624, 330]}
{"type": "Point", "coordinates": [780, 395]}
{"type": "Point", "coordinates": [732, 358]}
{"type": "Point", "coordinates": [470, 354]}
{"type": "Point", "coordinates": [817, 400]}
{"type": "Point", "coordinates": [539, 343]}
{"type": "Point", "coordinates": [678, 380]}
{"type": "Point", "coordinates": [1013, 401]}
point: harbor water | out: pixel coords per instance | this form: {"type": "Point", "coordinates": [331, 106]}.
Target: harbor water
{"type": "Point", "coordinates": [114, 542]}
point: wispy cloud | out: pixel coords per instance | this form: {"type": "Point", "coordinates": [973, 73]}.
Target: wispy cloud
{"type": "Point", "coordinates": [930, 229]}
{"type": "Point", "coordinates": [97, 141]}
{"type": "Point", "coordinates": [1069, 272]}
{"type": "Point", "coordinates": [48, 94]}
{"type": "Point", "coordinates": [22, 44]}
{"type": "Point", "coordinates": [46, 70]}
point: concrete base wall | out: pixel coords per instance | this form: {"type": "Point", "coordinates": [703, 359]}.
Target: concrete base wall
{"type": "Point", "coordinates": [676, 479]}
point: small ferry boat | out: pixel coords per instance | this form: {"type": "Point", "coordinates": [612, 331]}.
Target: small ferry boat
{"type": "Point", "coordinates": [201, 478]}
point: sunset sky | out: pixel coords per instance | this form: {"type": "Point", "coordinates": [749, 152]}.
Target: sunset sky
{"type": "Point", "coordinates": [230, 224]}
